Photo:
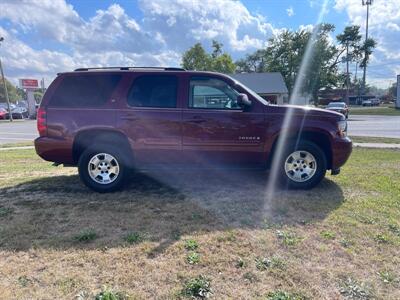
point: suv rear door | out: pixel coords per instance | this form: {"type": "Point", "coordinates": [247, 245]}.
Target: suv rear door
{"type": "Point", "coordinates": [216, 129]}
{"type": "Point", "coordinates": [150, 118]}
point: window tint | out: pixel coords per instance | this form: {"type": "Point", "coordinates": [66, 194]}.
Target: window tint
{"type": "Point", "coordinates": [89, 90]}
{"type": "Point", "coordinates": [153, 91]}
{"type": "Point", "coordinates": [207, 92]}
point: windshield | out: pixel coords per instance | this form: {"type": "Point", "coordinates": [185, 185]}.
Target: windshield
{"type": "Point", "coordinates": [336, 104]}
{"type": "Point", "coordinates": [251, 92]}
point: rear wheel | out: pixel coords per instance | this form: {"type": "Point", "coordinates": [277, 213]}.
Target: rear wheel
{"type": "Point", "coordinates": [102, 168]}
{"type": "Point", "coordinates": [302, 166]}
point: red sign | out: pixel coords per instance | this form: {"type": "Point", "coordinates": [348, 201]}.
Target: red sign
{"type": "Point", "coordinates": [28, 83]}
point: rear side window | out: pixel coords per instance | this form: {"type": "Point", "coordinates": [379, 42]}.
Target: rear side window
{"type": "Point", "coordinates": [84, 90]}
{"type": "Point", "coordinates": [153, 91]}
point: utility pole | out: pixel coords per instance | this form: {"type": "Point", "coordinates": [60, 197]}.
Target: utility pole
{"type": "Point", "coordinates": [367, 3]}
{"type": "Point", "coordinates": [5, 87]}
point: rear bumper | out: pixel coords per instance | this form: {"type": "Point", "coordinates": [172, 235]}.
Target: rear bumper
{"type": "Point", "coordinates": [341, 150]}
{"type": "Point", "coordinates": [54, 150]}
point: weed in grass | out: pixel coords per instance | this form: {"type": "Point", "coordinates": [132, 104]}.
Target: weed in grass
{"type": "Point", "coordinates": [346, 243]}
{"type": "Point", "coordinates": [240, 263]}
{"type": "Point", "coordinates": [109, 294]}
{"type": "Point", "coordinates": [229, 236]}
{"type": "Point", "coordinates": [176, 235]}
{"type": "Point", "coordinates": [288, 238]}
{"type": "Point", "coordinates": [191, 245]}
{"type": "Point", "coordinates": [23, 280]}
{"type": "Point", "coordinates": [5, 211]}
{"type": "Point", "coordinates": [198, 287]}
{"type": "Point", "coordinates": [269, 263]}
{"type": "Point", "coordinates": [67, 285]}
{"type": "Point", "coordinates": [394, 228]}
{"type": "Point", "coordinates": [387, 277]}
{"type": "Point", "coordinates": [329, 235]}
{"type": "Point", "coordinates": [251, 277]}
{"type": "Point", "coordinates": [193, 258]}
{"type": "Point", "coordinates": [282, 295]}
{"type": "Point", "coordinates": [381, 238]}
{"type": "Point", "coordinates": [352, 289]}
{"type": "Point", "coordinates": [86, 235]}
{"type": "Point", "coordinates": [134, 238]}
{"type": "Point", "coordinates": [365, 219]}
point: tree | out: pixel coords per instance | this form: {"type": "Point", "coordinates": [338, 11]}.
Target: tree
{"type": "Point", "coordinates": [196, 58]}
{"type": "Point", "coordinates": [349, 42]}
{"type": "Point", "coordinates": [285, 52]}
{"type": "Point", "coordinates": [12, 92]}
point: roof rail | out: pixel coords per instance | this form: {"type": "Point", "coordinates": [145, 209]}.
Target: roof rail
{"type": "Point", "coordinates": [130, 68]}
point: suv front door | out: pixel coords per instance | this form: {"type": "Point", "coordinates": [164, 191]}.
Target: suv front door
{"type": "Point", "coordinates": [216, 129]}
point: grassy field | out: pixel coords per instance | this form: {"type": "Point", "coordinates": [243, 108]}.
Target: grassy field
{"type": "Point", "coordinates": [178, 235]}
{"type": "Point", "coordinates": [371, 139]}
{"type": "Point", "coordinates": [376, 110]}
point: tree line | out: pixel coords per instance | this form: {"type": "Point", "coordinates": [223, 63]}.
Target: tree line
{"type": "Point", "coordinates": [284, 53]}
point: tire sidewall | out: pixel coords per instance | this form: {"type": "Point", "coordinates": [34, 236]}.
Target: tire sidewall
{"type": "Point", "coordinates": [84, 173]}
{"type": "Point", "coordinates": [319, 173]}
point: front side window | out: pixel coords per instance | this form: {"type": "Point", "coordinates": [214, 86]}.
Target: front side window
{"type": "Point", "coordinates": [212, 93]}
{"type": "Point", "coordinates": [153, 91]}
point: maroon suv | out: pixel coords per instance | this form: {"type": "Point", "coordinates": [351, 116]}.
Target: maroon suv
{"type": "Point", "coordinates": [107, 121]}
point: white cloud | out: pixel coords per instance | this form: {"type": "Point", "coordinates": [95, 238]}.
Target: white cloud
{"type": "Point", "coordinates": [290, 11]}
{"type": "Point", "coordinates": [384, 27]}
{"type": "Point", "coordinates": [112, 37]}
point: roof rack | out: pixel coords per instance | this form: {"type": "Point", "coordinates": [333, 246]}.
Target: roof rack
{"type": "Point", "coordinates": [131, 68]}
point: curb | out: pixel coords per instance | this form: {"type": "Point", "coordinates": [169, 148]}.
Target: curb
{"type": "Point", "coordinates": [377, 145]}
{"type": "Point", "coordinates": [17, 148]}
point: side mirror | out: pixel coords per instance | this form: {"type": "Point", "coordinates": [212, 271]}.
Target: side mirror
{"type": "Point", "coordinates": [242, 99]}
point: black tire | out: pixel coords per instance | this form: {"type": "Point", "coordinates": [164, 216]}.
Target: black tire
{"type": "Point", "coordinates": [83, 167]}
{"type": "Point", "coordinates": [321, 166]}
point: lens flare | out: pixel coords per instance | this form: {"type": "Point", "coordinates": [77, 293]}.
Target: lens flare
{"type": "Point", "coordinates": [283, 138]}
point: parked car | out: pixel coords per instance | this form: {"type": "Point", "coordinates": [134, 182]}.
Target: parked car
{"type": "Point", "coordinates": [375, 102]}
{"type": "Point", "coordinates": [3, 114]}
{"type": "Point", "coordinates": [366, 103]}
{"type": "Point", "coordinates": [108, 121]}
{"type": "Point", "coordinates": [339, 107]}
{"type": "Point", "coordinates": [19, 113]}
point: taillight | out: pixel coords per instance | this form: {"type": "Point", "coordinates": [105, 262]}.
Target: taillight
{"type": "Point", "coordinates": [41, 121]}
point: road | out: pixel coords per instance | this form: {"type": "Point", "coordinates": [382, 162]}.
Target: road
{"type": "Point", "coordinates": [378, 126]}
{"type": "Point", "coordinates": [17, 131]}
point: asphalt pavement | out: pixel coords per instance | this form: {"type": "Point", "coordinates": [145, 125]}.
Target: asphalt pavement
{"type": "Point", "coordinates": [377, 126]}
{"type": "Point", "coordinates": [17, 131]}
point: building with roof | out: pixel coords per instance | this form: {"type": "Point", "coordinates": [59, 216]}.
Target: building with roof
{"type": "Point", "coordinates": [270, 86]}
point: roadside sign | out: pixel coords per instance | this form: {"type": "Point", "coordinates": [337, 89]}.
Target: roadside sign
{"type": "Point", "coordinates": [28, 83]}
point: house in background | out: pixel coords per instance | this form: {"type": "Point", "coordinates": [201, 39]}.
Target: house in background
{"type": "Point", "coordinates": [270, 86]}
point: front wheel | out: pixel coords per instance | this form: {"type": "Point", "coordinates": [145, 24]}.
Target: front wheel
{"type": "Point", "coordinates": [302, 166]}
{"type": "Point", "coordinates": [101, 168]}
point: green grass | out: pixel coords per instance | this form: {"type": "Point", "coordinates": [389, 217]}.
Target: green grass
{"type": "Point", "coordinates": [21, 144]}
{"type": "Point", "coordinates": [225, 239]}
{"type": "Point", "coordinates": [370, 139]}
{"type": "Point", "coordinates": [377, 110]}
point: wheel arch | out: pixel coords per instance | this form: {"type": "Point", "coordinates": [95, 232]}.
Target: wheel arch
{"type": "Point", "coordinates": [319, 138]}
{"type": "Point", "coordinates": [89, 137]}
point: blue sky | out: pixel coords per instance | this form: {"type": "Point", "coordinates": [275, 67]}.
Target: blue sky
{"type": "Point", "coordinates": [43, 37]}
